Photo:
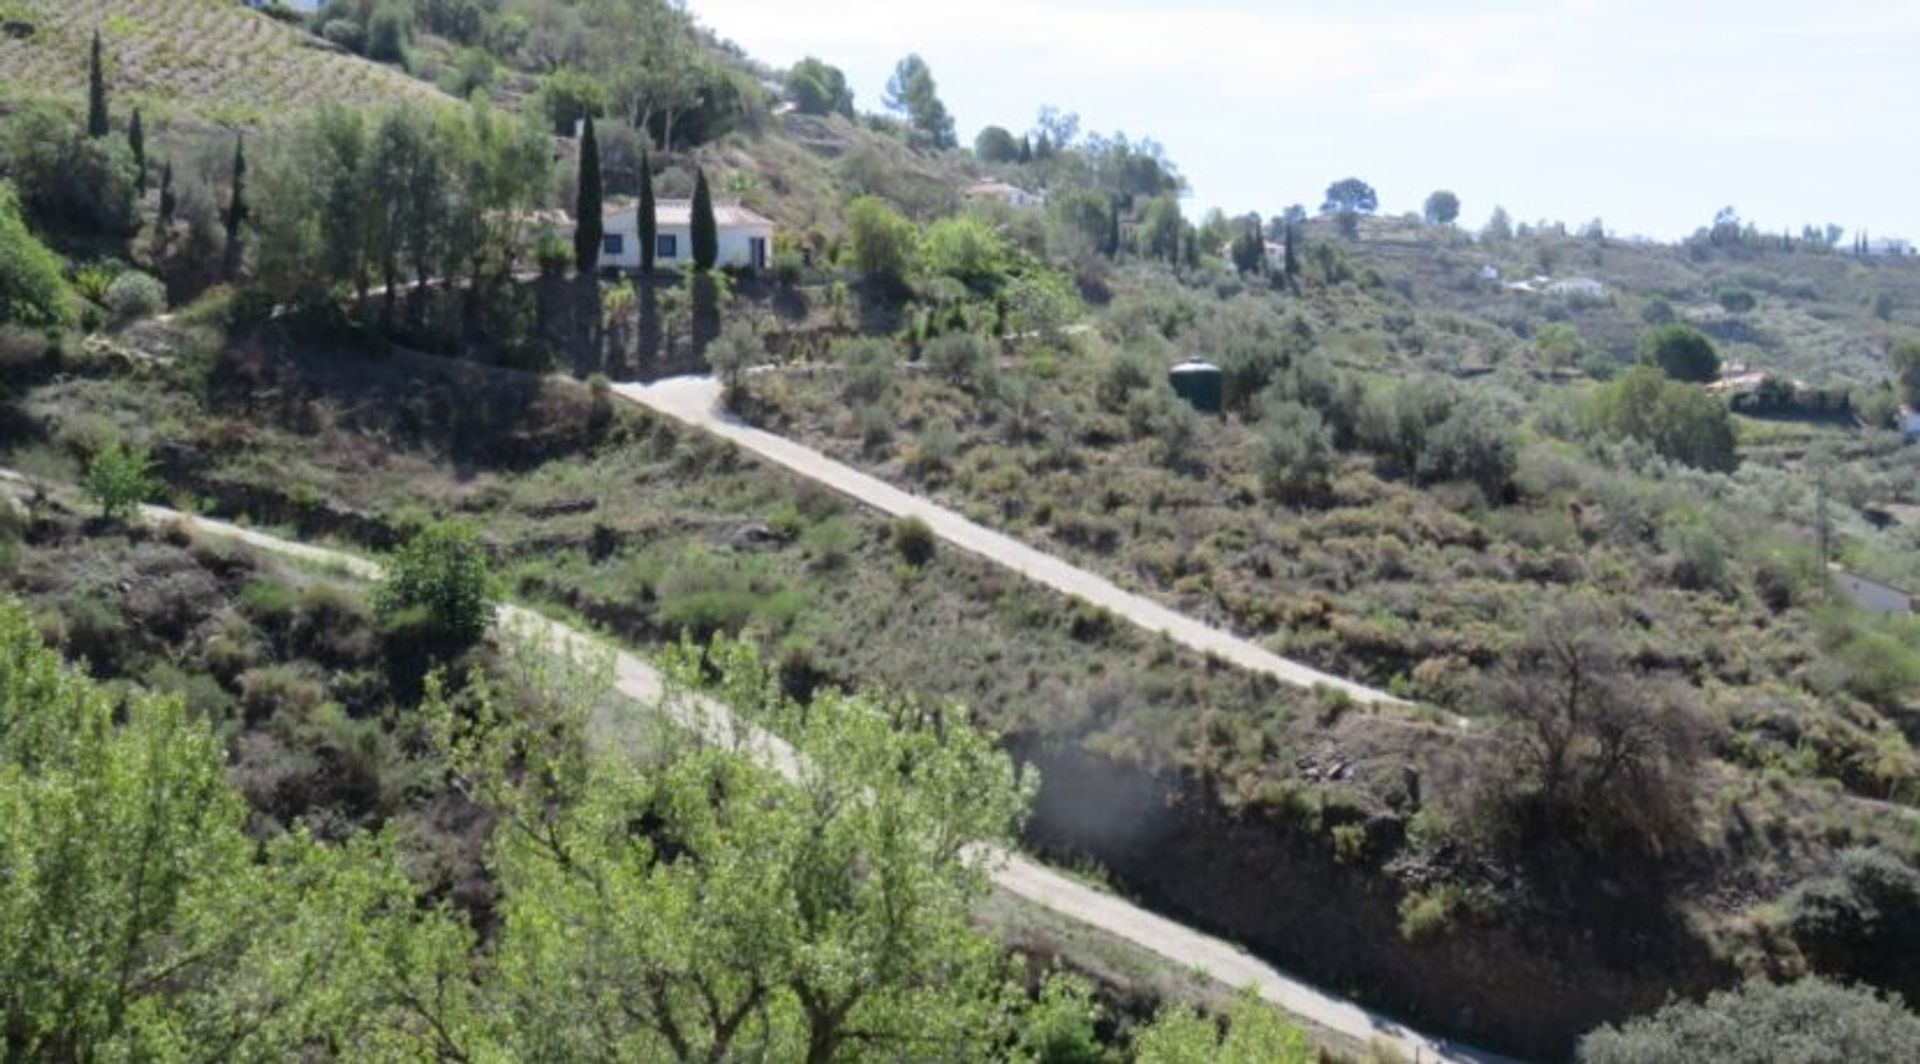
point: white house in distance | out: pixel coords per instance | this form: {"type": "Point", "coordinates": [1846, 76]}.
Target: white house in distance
{"type": "Point", "coordinates": [746, 238]}
{"type": "Point", "coordinates": [1011, 195]}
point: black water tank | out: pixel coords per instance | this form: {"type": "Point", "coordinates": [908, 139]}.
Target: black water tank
{"type": "Point", "coordinates": [1199, 383]}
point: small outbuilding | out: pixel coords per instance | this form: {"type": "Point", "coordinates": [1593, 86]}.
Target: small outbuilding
{"type": "Point", "coordinates": [1202, 384]}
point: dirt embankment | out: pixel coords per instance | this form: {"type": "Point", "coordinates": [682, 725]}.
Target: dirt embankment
{"type": "Point", "coordinates": [1526, 983]}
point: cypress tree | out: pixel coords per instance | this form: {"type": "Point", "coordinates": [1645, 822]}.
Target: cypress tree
{"type": "Point", "coordinates": [649, 227]}
{"type": "Point", "coordinates": [137, 142]}
{"type": "Point", "coordinates": [706, 235]}
{"type": "Point", "coordinates": [588, 226]}
{"type": "Point", "coordinates": [1291, 264]}
{"type": "Point", "coordinates": [168, 202]}
{"type": "Point", "coordinates": [96, 91]}
{"type": "Point", "coordinates": [1113, 230]}
{"type": "Point", "coordinates": [1026, 149]}
{"type": "Point", "coordinates": [237, 210]}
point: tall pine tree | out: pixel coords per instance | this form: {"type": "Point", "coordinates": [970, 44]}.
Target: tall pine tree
{"type": "Point", "coordinates": [137, 143]}
{"type": "Point", "coordinates": [237, 209]}
{"type": "Point", "coordinates": [96, 91]}
{"type": "Point", "coordinates": [706, 235]}
{"type": "Point", "coordinates": [589, 227]}
{"type": "Point", "coordinates": [649, 218]}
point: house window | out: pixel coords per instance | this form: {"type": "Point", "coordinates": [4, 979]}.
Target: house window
{"type": "Point", "coordinates": [613, 244]}
{"type": "Point", "coordinates": [667, 246]}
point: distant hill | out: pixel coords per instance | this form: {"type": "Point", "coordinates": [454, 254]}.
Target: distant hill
{"type": "Point", "coordinates": [213, 59]}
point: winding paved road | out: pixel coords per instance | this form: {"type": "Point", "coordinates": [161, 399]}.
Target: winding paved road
{"type": "Point", "coordinates": [695, 401]}
{"type": "Point", "coordinates": [1014, 873]}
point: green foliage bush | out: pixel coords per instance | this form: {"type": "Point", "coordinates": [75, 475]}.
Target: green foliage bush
{"type": "Point", "coordinates": [134, 295]}
{"type": "Point", "coordinates": [913, 540]}
{"type": "Point", "coordinates": [66, 180]}
{"type": "Point", "coordinates": [441, 582]}
{"type": "Point", "coordinates": [118, 479]}
{"type": "Point", "coordinates": [881, 241]}
{"type": "Point", "coordinates": [1296, 450]}
{"type": "Point", "coordinates": [964, 360]}
{"type": "Point", "coordinates": [31, 291]}
{"type": "Point", "coordinates": [1863, 921]}
{"type": "Point", "coordinates": [967, 250]}
{"type": "Point", "coordinates": [1806, 1022]}
{"type": "Point", "coordinates": [1679, 421]}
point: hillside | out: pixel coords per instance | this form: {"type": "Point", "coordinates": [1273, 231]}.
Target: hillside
{"type": "Point", "coordinates": [216, 60]}
{"type": "Point", "coordinates": [1644, 744]}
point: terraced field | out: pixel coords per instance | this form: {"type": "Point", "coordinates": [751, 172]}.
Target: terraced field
{"type": "Point", "coordinates": [214, 59]}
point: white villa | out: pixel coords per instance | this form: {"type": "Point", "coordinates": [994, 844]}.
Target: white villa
{"type": "Point", "coordinates": [746, 238]}
{"type": "Point", "coordinates": [1011, 195]}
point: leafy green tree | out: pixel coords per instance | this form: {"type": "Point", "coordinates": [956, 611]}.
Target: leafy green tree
{"type": "Point", "coordinates": [1350, 196]}
{"type": "Point", "coordinates": [97, 121]}
{"type": "Point", "coordinates": [1677, 420]}
{"type": "Point", "coordinates": [912, 92]}
{"type": "Point", "coordinates": [736, 350]}
{"type": "Point", "coordinates": [32, 292]}
{"type": "Point", "coordinates": [881, 241]}
{"type": "Point", "coordinates": [1499, 227]}
{"type": "Point", "coordinates": [818, 912]}
{"type": "Point", "coordinates": [705, 234]}
{"type": "Point", "coordinates": [137, 145]}
{"type": "Point", "coordinates": [588, 224]}
{"type": "Point", "coordinates": [440, 581]}
{"type": "Point", "coordinates": [141, 917]}
{"type": "Point", "coordinates": [1255, 1033]}
{"type": "Point", "coordinates": [1396, 422]}
{"type": "Point", "coordinates": [1296, 450]}
{"type": "Point", "coordinates": [569, 96]}
{"type": "Point", "coordinates": [1559, 344]}
{"type": "Point", "coordinates": [1810, 1021]}
{"type": "Point", "coordinates": [819, 88]}
{"type": "Point", "coordinates": [1904, 358]}
{"type": "Point", "coordinates": [648, 218]}
{"type": "Point", "coordinates": [1863, 921]}
{"type": "Point", "coordinates": [1475, 442]}
{"type": "Point", "coordinates": [1442, 208]}
{"type": "Point", "coordinates": [968, 250]}
{"type": "Point", "coordinates": [388, 28]}
{"type": "Point", "coordinates": [1681, 352]}
{"type": "Point", "coordinates": [995, 144]}
{"type": "Point", "coordinates": [118, 479]}
{"type": "Point", "coordinates": [237, 213]}
{"type": "Point", "coordinates": [1161, 229]}
{"type": "Point", "coordinates": [68, 181]}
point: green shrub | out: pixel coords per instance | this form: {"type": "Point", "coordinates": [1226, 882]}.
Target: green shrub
{"type": "Point", "coordinates": [1808, 1022]}
{"type": "Point", "coordinates": [1677, 420]}
{"type": "Point", "coordinates": [1296, 450]}
{"type": "Point", "coordinates": [913, 540]}
{"type": "Point", "coordinates": [118, 480]}
{"type": "Point", "coordinates": [964, 360]}
{"type": "Point", "coordinates": [1435, 913]}
{"type": "Point", "coordinates": [443, 574]}
{"type": "Point", "coordinates": [134, 295]}
{"type": "Point", "coordinates": [967, 250]}
{"type": "Point", "coordinates": [880, 240]}
{"type": "Point", "coordinates": [31, 291]}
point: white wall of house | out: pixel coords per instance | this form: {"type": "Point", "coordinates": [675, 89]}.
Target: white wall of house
{"type": "Point", "coordinates": [620, 246]}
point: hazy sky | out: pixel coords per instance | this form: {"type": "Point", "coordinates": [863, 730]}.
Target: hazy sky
{"type": "Point", "coordinates": [1650, 114]}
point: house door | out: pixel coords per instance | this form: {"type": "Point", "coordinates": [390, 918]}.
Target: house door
{"type": "Point", "coordinates": [757, 251]}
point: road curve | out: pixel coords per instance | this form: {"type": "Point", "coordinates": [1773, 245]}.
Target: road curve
{"type": "Point", "coordinates": [1014, 873]}
{"type": "Point", "coordinates": [695, 401]}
